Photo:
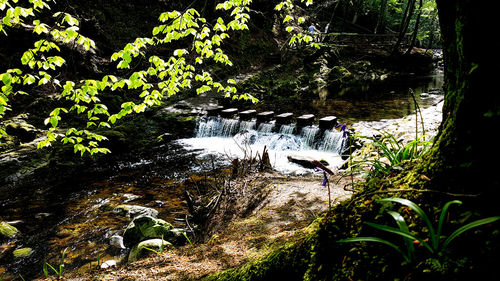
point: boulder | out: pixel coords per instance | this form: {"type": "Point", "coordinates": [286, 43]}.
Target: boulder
{"type": "Point", "coordinates": [147, 227]}
{"type": "Point", "coordinates": [148, 246]}
{"type": "Point", "coordinates": [20, 128]}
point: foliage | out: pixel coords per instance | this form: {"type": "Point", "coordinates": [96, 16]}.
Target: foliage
{"type": "Point", "coordinates": [432, 243]}
{"type": "Point", "coordinates": [61, 266]}
{"type": "Point", "coordinates": [287, 8]}
{"type": "Point", "coordinates": [160, 79]}
{"type": "Point", "coordinates": [395, 152]}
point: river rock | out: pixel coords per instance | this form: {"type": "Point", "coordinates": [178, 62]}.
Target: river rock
{"type": "Point", "coordinates": [116, 241]}
{"type": "Point", "coordinates": [20, 128]}
{"type": "Point", "coordinates": [7, 230]}
{"type": "Point", "coordinates": [147, 227]}
{"type": "Point", "coordinates": [108, 264]}
{"type": "Point", "coordinates": [146, 246]}
{"type": "Point", "coordinates": [134, 211]}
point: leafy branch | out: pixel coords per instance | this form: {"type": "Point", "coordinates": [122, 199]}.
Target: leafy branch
{"type": "Point", "coordinates": [162, 78]}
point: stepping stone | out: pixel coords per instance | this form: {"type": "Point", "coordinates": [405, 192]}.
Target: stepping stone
{"type": "Point", "coordinates": [327, 123]}
{"type": "Point", "coordinates": [214, 111]}
{"type": "Point", "coordinates": [284, 118]}
{"type": "Point", "coordinates": [248, 114]}
{"type": "Point", "coordinates": [265, 116]}
{"type": "Point", "coordinates": [228, 113]}
{"type": "Point", "coordinates": [305, 120]}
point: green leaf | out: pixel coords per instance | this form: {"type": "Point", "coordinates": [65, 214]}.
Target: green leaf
{"type": "Point", "coordinates": [6, 78]}
{"type": "Point", "coordinates": [400, 233]}
{"type": "Point", "coordinates": [442, 217]}
{"type": "Point", "coordinates": [420, 213]}
{"type": "Point", "coordinates": [377, 240]}
{"type": "Point", "coordinates": [468, 227]}
{"type": "Point", "coordinates": [54, 120]}
{"type": "Point", "coordinates": [400, 221]}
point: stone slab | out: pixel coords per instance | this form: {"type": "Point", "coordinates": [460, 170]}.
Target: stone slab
{"type": "Point", "coordinates": [328, 122]}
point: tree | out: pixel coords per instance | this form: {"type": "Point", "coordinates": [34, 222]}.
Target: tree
{"type": "Point", "coordinates": [186, 67]}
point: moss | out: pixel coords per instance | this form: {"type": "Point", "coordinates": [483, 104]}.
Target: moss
{"type": "Point", "coordinates": [7, 230]}
{"type": "Point", "coordinates": [288, 262]}
{"type": "Point", "coordinates": [22, 253]}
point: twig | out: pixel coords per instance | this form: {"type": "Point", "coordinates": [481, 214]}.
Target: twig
{"type": "Point", "coordinates": [188, 225]}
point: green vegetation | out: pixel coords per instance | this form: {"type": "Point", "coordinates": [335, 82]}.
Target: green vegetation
{"type": "Point", "coordinates": [59, 270]}
{"type": "Point", "coordinates": [395, 152]}
{"type": "Point", "coordinates": [434, 247]}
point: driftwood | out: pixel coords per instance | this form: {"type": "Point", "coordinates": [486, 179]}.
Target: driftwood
{"type": "Point", "coordinates": [309, 163]}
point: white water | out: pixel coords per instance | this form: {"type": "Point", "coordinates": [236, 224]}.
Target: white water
{"type": "Point", "coordinates": [230, 138]}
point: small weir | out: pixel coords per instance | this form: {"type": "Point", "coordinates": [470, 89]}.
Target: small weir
{"type": "Point", "coordinates": [303, 134]}
{"type": "Point", "coordinates": [231, 134]}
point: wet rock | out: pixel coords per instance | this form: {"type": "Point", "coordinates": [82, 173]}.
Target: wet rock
{"type": "Point", "coordinates": [7, 230]}
{"type": "Point", "coordinates": [130, 197]}
{"type": "Point", "coordinates": [134, 211]}
{"type": "Point", "coordinates": [117, 241]}
{"type": "Point", "coordinates": [109, 264]}
{"type": "Point", "coordinates": [22, 253]}
{"type": "Point", "coordinates": [19, 128]}
{"type": "Point", "coordinates": [148, 246]}
{"type": "Point", "coordinates": [147, 227]}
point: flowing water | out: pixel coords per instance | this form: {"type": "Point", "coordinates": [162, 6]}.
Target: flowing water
{"type": "Point", "coordinates": [79, 214]}
{"type": "Point", "coordinates": [311, 143]}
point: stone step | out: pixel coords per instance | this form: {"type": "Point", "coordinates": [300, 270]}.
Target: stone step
{"type": "Point", "coordinates": [265, 116]}
{"type": "Point", "coordinates": [328, 122]}
{"type": "Point", "coordinates": [305, 120]}
{"type": "Point", "coordinates": [214, 111]}
{"type": "Point", "coordinates": [284, 118]}
{"type": "Point", "coordinates": [229, 113]}
{"type": "Point", "coordinates": [248, 114]}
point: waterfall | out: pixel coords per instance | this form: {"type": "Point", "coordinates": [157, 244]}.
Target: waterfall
{"type": "Point", "coordinates": [246, 126]}
{"type": "Point", "coordinates": [333, 141]}
{"type": "Point", "coordinates": [308, 135]}
{"type": "Point", "coordinates": [232, 138]}
{"type": "Point", "coordinates": [266, 128]}
{"type": "Point", "coordinates": [209, 127]}
{"type": "Point", "coordinates": [229, 127]}
{"type": "Point", "coordinates": [286, 139]}
{"type": "Point", "coordinates": [287, 129]}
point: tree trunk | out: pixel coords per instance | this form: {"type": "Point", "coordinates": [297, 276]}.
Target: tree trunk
{"type": "Point", "coordinates": [358, 5]}
{"type": "Point", "coordinates": [380, 27]}
{"type": "Point", "coordinates": [404, 24]}
{"type": "Point", "coordinates": [415, 30]}
{"type": "Point", "coordinates": [464, 155]}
